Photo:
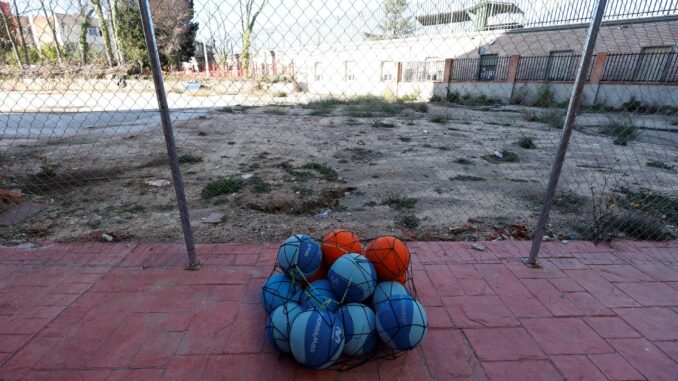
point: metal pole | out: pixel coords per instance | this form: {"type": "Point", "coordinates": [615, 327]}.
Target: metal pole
{"type": "Point", "coordinates": [149, 34]}
{"type": "Point", "coordinates": [575, 99]}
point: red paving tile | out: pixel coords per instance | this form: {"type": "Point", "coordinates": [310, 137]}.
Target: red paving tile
{"type": "Point", "coordinates": [565, 336]}
{"type": "Point", "coordinates": [577, 367]}
{"type": "Point", "coordinates": [615, 367]}
{"type": "Point", "coordinates": [533, 370]}
{"type": "Point", "coordinates": [68, 311]}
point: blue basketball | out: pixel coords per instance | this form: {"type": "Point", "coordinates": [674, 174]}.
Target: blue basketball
{"type": "Point", "coordinates": [386, 290]}
{"type": "Point", "coordinates": [319, 295]}
{"type": "Point", "coordinates": [279, 323]}
{"type": "Point", "coordinates": [279, 290]}
{"type": "Point", "coordinates": [299, 256]}
{"type": "Point", "coordinates": [316, 338]}
{"type": "Point", "coordinates": [401, 322]}
{"type": "Point", "coordinates": [359, 328]}
{"type": "Point", "coordinates": [353, 278]}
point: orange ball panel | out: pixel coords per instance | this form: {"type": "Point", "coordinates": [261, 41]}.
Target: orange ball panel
{"type": "Point", "coordinates": [337, 243]}
{"type": "Point", "coordinates": [390, 257]}
{"type": "Point", "coordinates": [320, 274]}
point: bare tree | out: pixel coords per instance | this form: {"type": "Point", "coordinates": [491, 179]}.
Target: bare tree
{"type": "Point", "coordinates": [51, 25]}
{"type": "Point", "coordinates": [22, 39]}
{"type": "Point", "coordinates": [103, 24]}
{"type": "Point", "coordinates": [174, 29]}
{"type": "Point", "coordinates": [247, 21]}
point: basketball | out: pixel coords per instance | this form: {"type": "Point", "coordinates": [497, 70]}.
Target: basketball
{"type": "Point", "coordinates": [359, 329]}
{"type": "Point", "coordinates": [299, 256]}
{"type": "Point", "coordinates": [337, 243]}
{"type": "Point", "coordinates": [387, 290]}
{"type": "Point", "coordinates": [352, 277]}
{"type": "Point", "coordinates": [316, 338]}
{"type": "Point", "coordinates": [402, 322]}
{"type": "Point", "coordinates": [403, 278]}
{"type": "Point", "coordinates": [279, 323]}
{"type": "Point", "coordinates": [277, 291]}
{"type": "Point", "coordinates": [320, 274]}
{"type": "Point", "coordinates": [319, 295]}
{"type": "Point", "coordinates": [389, 256]}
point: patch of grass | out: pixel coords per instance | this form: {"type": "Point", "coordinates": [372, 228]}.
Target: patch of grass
{"type": "Point", "coordinates": [47, 169]}
{"type": "Point", "coordinates": [382, 124]}
{"type": "Point", "coordinates": [443, 148]}
{"type": "Point", "coordinates": [397, 202]}
{"type": "Point", "coordinates": [371, 106]}
{"type": "Point", "coordinates": [650, 202]}
{"type": "Point", "coordinates": [352, 122]}
{"type": "Point", "coordinates": [226, 109]}
{"type": "Point", "coordinates": [253, 167]}
{"type": "Point", "coordinates": [259, 185]}
{"type": "Point", "coordinates": [674, 122]}
{"type": "Point", "coordinates": [409, 221]}
{"type": "Point", "coordinates": [228, 185]}
{"type": "Point", "coordinates": [404, 139]}
{"type": "Point", "coordinates": [526, 143]}
{"type": "Point", "coordinates": [641, 226]}
{"type": "Point", "coordinates": [370, 204]}
{"type": "Point", "coordinates": [435, 98]}
{"type": "Point", "coordinates": [302, 191]}
{"type": "Point", "coordinates": [189, 158]}
{"type": "Point", "coordinates": [343, 161]}
{"type": "Point", "coordinates": [622, 132]}
{"type": "Point", "coordinates": [463, 161]}
{"type": "Point", "coordinates": [202, 133]}
{"type": "Point", "coordinates": [279, 94]}
{"type": "Point", "coordinates": [506, 157]}
{"type": "Point", "coordinates": [659, 164]}
{"type": "Point", "coordinates": [419, 107]}
{"type": "Point", "coordinates": [340, 208]}
{"type": "Point", "coordinates": [276, 111]}
{"type": "Point", "coordinates": [328, 172]}
{"type": "Point", "coordinates": [545, 97]}
{"type": "Point", "coordinates": [466, 178]}
{"type": "Point", "coordinates": [298, 175]}
{"type": "Point", "coordinates": [554, 117]}
{"type": "Point", "coordinates": [440, 119]}
{"type": "Point", "coordinates": [323, 107]}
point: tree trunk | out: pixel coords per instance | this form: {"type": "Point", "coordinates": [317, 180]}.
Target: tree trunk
{"type": "Point", "coordinates": [21, 35]}
{"type": "Point", "coordinates": [52, 28]}
{"type": "Point", "coordinates": [246, 36]}
{"type": "Point", "coordinates": [84, 45]}
{"type": "Point", "coordinates": [11, 39]}
{"type": "Point", "coordinates": [104, 30]}
{"type": "Point", "coordinates": [115, 16]}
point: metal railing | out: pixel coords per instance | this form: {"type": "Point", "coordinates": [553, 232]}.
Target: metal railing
{"type": "Point", "coordinates": [484, 68]}
{"type": "Point", "coordinates": [641, 67]}
{"type": "Point", "coordinates": [423, 71]}
{"type": "Point", "coordinates": [549, 68]}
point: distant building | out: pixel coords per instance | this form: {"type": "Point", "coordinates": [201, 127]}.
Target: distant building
{"type": "Point", "coordinates": [67, 28]}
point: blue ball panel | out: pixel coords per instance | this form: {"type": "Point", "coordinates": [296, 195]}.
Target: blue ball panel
{"type": "Point", "coordinates": [316, 338]}
{"type": "Point", "coordinates": [277, 291]}
{"type": "Point", "coordinates": [401, 322]}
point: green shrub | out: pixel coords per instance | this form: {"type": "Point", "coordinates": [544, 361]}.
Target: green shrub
{"type": "Point", "coordinates": [409, 221]}
{"type": "Point", "coordinates": [189, 158]}
{"type": "Point", "coordinates": [328, 172]}
{"type": "Point", "coordinates": [622, 131]}
{"type": "Point", "coordinates": [229, 185]}
{"type": "Point", "coordinates": [397, 202]}
{"type": "Point", "coordinates": [527, 143]}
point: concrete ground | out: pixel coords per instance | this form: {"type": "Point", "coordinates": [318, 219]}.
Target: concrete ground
{"type": "Point", "coordinates": [130, 312]}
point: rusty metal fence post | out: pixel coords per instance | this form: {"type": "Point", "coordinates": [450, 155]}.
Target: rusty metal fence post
{"type": "Point", "coordinates": [154, 58]}
{"type": "Point", "coordinates": [575, 100]}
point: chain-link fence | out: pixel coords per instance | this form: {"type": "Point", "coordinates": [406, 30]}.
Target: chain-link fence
{"type": "Point", "coordinates": [433, 120]}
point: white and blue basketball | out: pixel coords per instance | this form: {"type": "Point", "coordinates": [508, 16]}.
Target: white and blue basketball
{"type": "Point", "coordinates": [317, 338]}
{"type": "Point", "coordinates": [353, 278]}
{"type": "Point", "coordinates": [386, 290]}
{"type": "Point", "coordinates": [401, 322]}
{"type": "Point", "coordinates": [359, 328]}
{"type": "Point", "coordinates": [279, 290]}
{"type": "Point", "coordinates": [299, 256]}
{"type": "Point", "coordinates": [279, 323]}
{"type": "Point", "coordinates": [319, 295]}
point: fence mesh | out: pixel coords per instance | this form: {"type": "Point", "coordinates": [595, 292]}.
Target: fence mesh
{"type": "Point", "coordinates": [432, 120]}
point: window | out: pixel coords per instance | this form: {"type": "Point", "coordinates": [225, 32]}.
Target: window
{"type": "Point", "coordinates": [561, 66]}
{"type": "Point", "coordinates": [414, 71]}
{"type": "Point", "coordinates": [487, 67]}
{"type": "Point", "coordinates": [389, 70]}
{"type": "Point", "coordinates": [349, 71]}
{"type": "Point", "coordinates": [93, 31]}
{"type": "Point", "coordinates": [653, 63]}
{"type": "Point", "coordinates": [318, 71]}
{"type": "Point", "coordinates": [434, 69]}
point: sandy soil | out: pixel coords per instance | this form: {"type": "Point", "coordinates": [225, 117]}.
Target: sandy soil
{"type": "Point", "coordinates": [457, 190]}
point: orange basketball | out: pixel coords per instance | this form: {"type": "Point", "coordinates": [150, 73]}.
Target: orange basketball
{"type": "Point", "coordinates": [390, 257]}
{"type": "Point", "coordinates": [337, 243]}
{"type": "Point", "coordinates": [403, 278]}
{"type": "Point", "coordinates": [320, 274]}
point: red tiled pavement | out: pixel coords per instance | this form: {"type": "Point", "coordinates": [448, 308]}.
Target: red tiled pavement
{"type": "Point", "coordinates": [130, 312]}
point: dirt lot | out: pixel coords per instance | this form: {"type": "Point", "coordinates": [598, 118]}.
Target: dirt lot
{"type": "Point", "coordinates": [424, 171]}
